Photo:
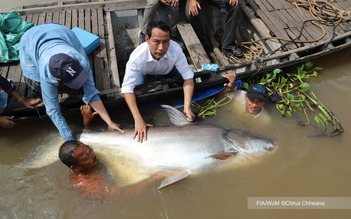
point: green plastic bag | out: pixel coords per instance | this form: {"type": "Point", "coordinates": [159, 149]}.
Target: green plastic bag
{"type": "Point", "coordinates": [12, 27]}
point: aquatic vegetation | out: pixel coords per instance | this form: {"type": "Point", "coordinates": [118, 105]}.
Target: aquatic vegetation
{"type": "Point", "coordinates": [209, 108]}
{"type": "Point", "coordinates": [292, 94]}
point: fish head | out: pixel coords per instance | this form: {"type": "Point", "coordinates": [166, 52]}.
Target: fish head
{"type": "Point", "coordinates": [250, 142]}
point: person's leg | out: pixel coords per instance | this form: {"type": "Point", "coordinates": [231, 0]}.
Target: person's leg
{"type": "Point", "coordinates": [230, 15]}
{"type": "Point", "coordinates": [198, 26]}
{"type": "Point", "coordinates": [231, 21]}
{"type": "Point", "coordinates": [168, 14]}
{"type": "Point", "coordinates": [149, 16]}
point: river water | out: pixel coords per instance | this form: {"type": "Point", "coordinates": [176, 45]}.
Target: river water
{"type": "Point", "coordinates": [301, 167]}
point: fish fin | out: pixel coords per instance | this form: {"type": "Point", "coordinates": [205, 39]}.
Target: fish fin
{"type": "Point", "coordinates": [223, 156]}
{"type": "Point", "coordinates": [176, 117]}
{"type": "Point", "coordinates": [174, 178]}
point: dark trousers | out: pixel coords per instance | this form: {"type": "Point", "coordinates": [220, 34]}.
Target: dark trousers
{"type": "Point", "coordinates": [230, 15]}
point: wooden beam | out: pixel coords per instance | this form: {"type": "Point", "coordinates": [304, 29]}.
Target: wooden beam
{"type": "Point", "coordinates": [112, 51]}
{"type": "Point", "coordinates": [196, 50]}
{"type": "Point", "coordinates": [109, 5]}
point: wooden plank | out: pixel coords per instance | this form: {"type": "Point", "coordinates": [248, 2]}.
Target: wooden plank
{"type": "Point", "coordinates": [270, 25]}
{"type": "Point", "coordinates": [62, 18]}
{"type": "Point", "coordinates": [97, 62]}
{"type": "Point", "coordinates": [287, 4]}
{"type": "Point", "coordinates": [276, 4]}
{"type": "Point", "coordinates": [49, 16]}
{"type": "Point", "coordinates": [262, 30]}
{"type": "Point", "coordinates": [4, 69]}
{"type": "Point", "coordinates": [105, 71]}
{"type": "Point", "coordinates": [56, 17]}
{"type": "Point", "coordinates": [317, 32]}
{"type": "Point", "coordinates": [292, 23]}
{"type": "Point", "coordinates": [35, 18]}
{"type": "Point", "coordinates": [87, 27]}
{"type": "Point", "coordinates": [295, 35]}
{"type": "Point", "coordinates": [74, 5]}
{"type": "Point", "coordinates": [112, 51]}
{"type": "Point", "coordinates": [287, 19]}
{"type": "Point", "coordinates": [193, 45]}
{"type": "Point", "coordinates": [41, 19]}
{"type": "Point", "coordinates": [68, 19]}
{"type": "Point", "coordinates": [81, 18]}
{"type": "Point", "coordinates": [74, 18]}
{"type": "Point", "coordinates": [269, 20]}
{"type": "Point", "coordinates": [263, 6]}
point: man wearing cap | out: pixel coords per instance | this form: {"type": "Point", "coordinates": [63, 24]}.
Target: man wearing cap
{"type": "Point", "coordinates": [50, 54]}
{"type": "Point", "coordinates": [253, 99]}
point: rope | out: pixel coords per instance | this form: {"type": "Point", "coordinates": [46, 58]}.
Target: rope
{"type": "Point", "coordinates": [322, 11]}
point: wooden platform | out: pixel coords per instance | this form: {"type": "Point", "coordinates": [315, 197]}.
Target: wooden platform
{"type": "Point", "coordinates": [283, 30]}
{"type": "Point", "coordinates": [297, 33]}
{"type": "Point", "coordinates": [96, 17]}
{"type": "Point", "coordinates": [90, 16]}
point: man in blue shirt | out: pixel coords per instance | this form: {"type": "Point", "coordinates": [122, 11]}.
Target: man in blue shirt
{"type": "Point", "coordinates": [51, 53]}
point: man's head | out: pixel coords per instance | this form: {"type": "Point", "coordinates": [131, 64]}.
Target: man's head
{"type": "Point", "coordinates": [158, 38]}
{"type": "Point", "coordinates": [68, 70]}
{"type": "Point", "coordinates": [77, 156]}
{"type": "Point", "coordinates": [255, 98]}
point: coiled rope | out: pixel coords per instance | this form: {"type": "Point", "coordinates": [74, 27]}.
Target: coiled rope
{"type": "Point", "coordinates": [323, 12]}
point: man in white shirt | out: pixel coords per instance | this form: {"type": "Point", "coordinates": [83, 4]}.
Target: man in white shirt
{"type": "Point", "coordinates": [159, 55]}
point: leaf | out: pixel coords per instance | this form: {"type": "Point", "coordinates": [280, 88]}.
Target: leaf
{"type": "Point", "coordinates": [309, 64]}
{"type": "Point", "coordinates": [323, 118]}
{"type": "Point", "coordinates": [304, 86]}
{"type": "Point", "coordinates": [291, 97]}
{"type": "Point", "coordinates": [289, 113]}
{"type": "Point", "coordinates": [318, 120]}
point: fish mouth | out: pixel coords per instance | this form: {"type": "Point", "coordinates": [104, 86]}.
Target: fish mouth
{"type": "Point", "coordinates": [271, 146]}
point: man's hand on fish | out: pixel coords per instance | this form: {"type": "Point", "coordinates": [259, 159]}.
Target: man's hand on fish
{"type": "Point", "coordinates": [89, 115]}
{"type": "Point", "coordinates": [140, 130]}
{"type": "Point", "coordinates": [115, 127]}
{"type": "Point", "coordinates": [189, 114]}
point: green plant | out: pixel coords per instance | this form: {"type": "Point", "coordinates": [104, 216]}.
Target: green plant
{"type": "Point", "coordinates": [209, 108]}
{"type": "Point", "coordinates": [292, 94]}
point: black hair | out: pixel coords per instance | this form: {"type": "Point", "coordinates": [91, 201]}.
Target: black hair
{"type": "Point", "coordinates": [66, 151]}
{"type": "Point", "coordinates": [160, 25]}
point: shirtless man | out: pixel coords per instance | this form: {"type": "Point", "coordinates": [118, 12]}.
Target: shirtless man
{"type": "Point", "coordinates": [90, 177]}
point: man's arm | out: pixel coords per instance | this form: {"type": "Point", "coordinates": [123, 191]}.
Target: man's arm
{"type": "Point", "coordinates": [53, 110]}
{"type": "Point", "coordinates": [134, 189]}
{"type": "Point", "coordinates": [99, 107]}
{"type": "Point", "coordinates": [188, 88]}
{"type": "Point", "coordinates": [229, 86]}
{"type": "Point", "coordinates": [140, 127]}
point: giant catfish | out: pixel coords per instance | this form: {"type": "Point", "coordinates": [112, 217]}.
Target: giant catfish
{"type": "Point", "coordinates": [186, 148]}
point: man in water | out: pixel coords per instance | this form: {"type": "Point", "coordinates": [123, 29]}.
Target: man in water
{"type": "Point", "coordinates": [159, 55]}
{"type": "Point", "coordinates": [248, 106]}
{"type": "Point", "coordinates": [90, 177]}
